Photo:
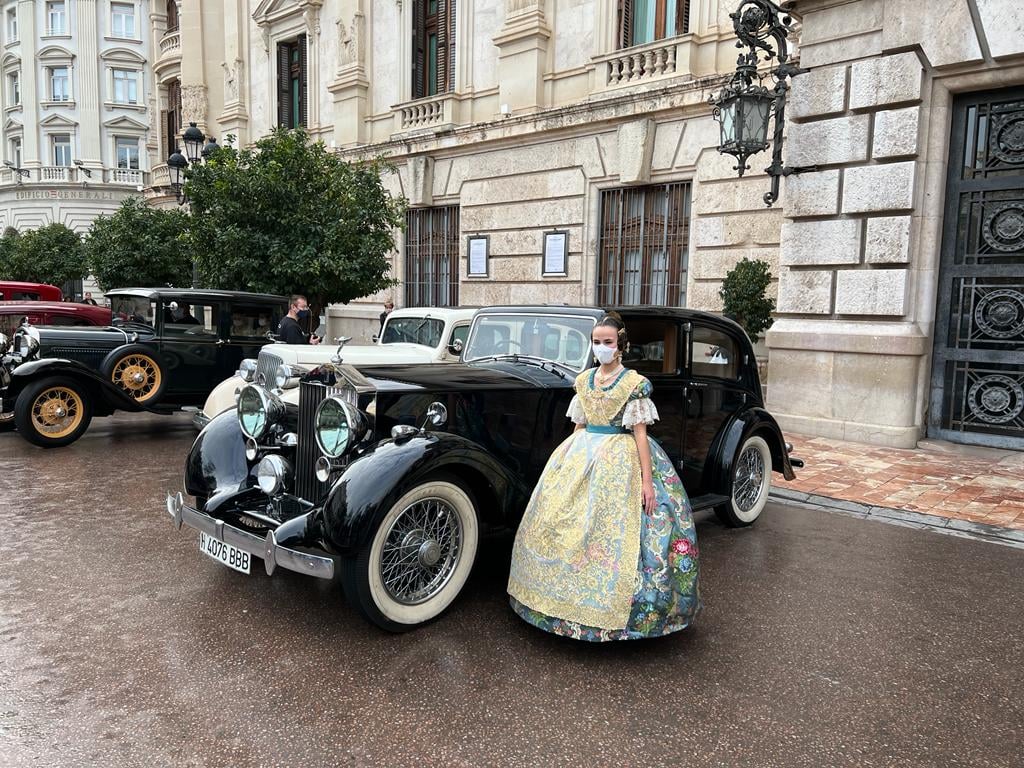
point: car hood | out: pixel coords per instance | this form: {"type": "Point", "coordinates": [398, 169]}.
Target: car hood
{"type": "Point", "coordinates": [99, 337]}
{"type": "Point", "coordinates": [503, 375]}
{"type": "Point", "coordinates": [384, 354]}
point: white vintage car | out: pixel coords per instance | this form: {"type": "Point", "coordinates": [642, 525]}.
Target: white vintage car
{"type": "Point", "coordinates": [412, 335]}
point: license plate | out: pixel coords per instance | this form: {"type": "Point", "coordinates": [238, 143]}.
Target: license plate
{"type": "Point", "coordinates": [223, 553]}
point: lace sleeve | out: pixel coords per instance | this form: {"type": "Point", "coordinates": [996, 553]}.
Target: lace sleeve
{"type": "Point", "coordinates": [639, 411]}
{"type": "Point", "coordinates": [575, 411]}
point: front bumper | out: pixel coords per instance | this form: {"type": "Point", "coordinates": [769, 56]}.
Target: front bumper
{"type": "Point", "coordinates": [199, 420]}
{"type": "Point", "coordinates": [272, 553]}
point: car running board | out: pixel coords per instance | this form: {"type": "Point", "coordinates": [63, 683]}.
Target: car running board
{"type": "Point", "coordinates": [708, 500]}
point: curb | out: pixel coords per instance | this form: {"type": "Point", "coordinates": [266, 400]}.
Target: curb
{"type": "Point", "coordinates": [979, 531]}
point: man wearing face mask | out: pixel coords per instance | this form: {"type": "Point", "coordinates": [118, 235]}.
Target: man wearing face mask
{"type": "Point", "coordinates": [290, 331]}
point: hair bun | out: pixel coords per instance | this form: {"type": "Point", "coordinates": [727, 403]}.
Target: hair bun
{"type": "Point", "coordinates": [614, 316]}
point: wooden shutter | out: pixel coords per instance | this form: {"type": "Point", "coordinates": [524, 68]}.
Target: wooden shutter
{"type": "Point", "coordinates": [303, 95]}
{"type": "Point", "coordinates": [682, 17]}
{"type": "Point", "coordinates": [165, 144]}
{"type": "Point", "coordinates": [445, 46]}
{"type": "Point", "coordinates": [442, 46]}
{"type": "Point", "coordinates": [419, 68]}
{"type": "Point", "coordinates": [625, 23]}
{"type": "Point", "coordinates": [450, 63]}
{"type": "Point", "coordinates": [284, 102]}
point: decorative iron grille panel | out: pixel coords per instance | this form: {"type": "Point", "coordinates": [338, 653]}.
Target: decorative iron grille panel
{"type": "Point", "coordinates": [432, 257]}
{"type": "Point", "coordinates": [644, 242]}
{"type": "Point", "coordinates": [978, 369]}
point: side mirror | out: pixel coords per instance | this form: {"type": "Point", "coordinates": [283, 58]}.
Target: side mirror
{"type": "Point", "coordinates": [456, 347]}
{"type": "Point", "coordinates": [376, 338]}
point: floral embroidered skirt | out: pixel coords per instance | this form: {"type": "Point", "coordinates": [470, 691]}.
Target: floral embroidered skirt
{"type": "Point", "coordinates": [665, 593]}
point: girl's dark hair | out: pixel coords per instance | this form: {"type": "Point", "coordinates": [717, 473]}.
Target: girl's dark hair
{"type": "Point", "coordinates": [614, 320]}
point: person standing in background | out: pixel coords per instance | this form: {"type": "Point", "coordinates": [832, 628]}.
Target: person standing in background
{"type": "Point", "coordinates": [289, 331]}
{"type": "Point", "coordinates": [389, 307]}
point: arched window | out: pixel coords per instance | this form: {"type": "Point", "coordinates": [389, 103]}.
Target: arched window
{"type": "Point", "coordinates": [172, 16]}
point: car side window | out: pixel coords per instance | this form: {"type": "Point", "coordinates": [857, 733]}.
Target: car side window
{"type": "Point", "coordinates": [653, 345]}
{"type": "Point", "coordinates": [714, 354]}
{"type": "Point", "coordinates": [250, 322]}
{"type": "Point", "coordinates": [65, 320]}
{"type": "Point", "coordinates": [190, 319]}
{"type": "Point", "coordinates": [460, 333]}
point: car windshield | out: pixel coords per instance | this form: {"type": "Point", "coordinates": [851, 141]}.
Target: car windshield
{"type": "Point", "coordinates": [133, 309]}
{"type": "Point", "coordinates": [413, 330]}
{"type": "Point", "coordinates": [561, 339]}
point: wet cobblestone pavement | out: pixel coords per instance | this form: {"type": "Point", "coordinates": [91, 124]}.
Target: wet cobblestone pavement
{"type": "Point", "coordinates": [825, 641]}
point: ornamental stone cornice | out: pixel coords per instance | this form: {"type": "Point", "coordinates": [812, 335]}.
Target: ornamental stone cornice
{"type": "Point", "coordinates": [269, 12]}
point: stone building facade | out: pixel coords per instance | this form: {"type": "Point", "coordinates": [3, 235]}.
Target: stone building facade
{"type": "Point", "coordinates": [76, 109]}
{"type": "Point", "coordinates": [571, 143]}
{"type": "Point", "coordinates": [901, 285]}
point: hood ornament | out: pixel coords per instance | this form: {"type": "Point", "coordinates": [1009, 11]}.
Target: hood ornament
{"type": "Point", "coordinates": [341, 341]}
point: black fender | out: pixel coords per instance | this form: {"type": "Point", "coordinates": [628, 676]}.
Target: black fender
{"type": "Point", "coordinates": [106, 397]}
{"type": "Point", "coordinates": [216, 463]}
{"type": "Point", "coordinates": [752, 421]}
{"type": "Point", "coordinates": [371, 485]}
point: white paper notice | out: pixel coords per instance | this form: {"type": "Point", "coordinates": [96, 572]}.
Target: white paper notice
{"type": "Point", "coordinates": [554, 253]}
{"type": "Point", "coordinates": [478, 256]}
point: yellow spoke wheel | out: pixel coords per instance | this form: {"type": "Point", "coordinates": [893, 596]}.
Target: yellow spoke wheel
{"type": "Point", "coordinates": [57, 412]}
{"type": "Point", "coordinates": [138, 376]}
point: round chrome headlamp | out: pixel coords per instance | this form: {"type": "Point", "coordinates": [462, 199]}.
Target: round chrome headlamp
{"type": "Point", "coordinates": [3, 343]}
{"type": "Point", "coordinates": [273, 473]}
{"type": "Point", "coordinates": [257, 410]}
{"type": "Point", "coordinates": [287, 376]}
{"type": "Point", "coordinates": [338, 426]}
{"type": "Point", "coordinates": [247, 370]}
{"type": "Point", "coordinates": [27, 344]}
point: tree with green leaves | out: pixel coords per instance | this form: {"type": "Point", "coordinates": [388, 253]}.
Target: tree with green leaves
{"type": "Point", "coordinates": [51, 254]}
{"type": "Point", "coordinates": [8, 246]}
{"type": "Point", "coordinates": [289, 216]}
{"type": "Point", "coordinates": [139, 246]}
{"type": "Point", "coordinates": [745, 297]}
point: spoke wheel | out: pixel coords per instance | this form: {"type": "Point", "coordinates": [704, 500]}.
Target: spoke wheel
{"type": "Point", "coordinates": [138, 376]}
{"type": "Point", "coordinates": [418, 559]}
{"type": "Point", "coordinates": [52, 412]}
{"type": "Point", "coordinates": [420, 551]}
{"type": "Point", "coordinates": [751, 482]}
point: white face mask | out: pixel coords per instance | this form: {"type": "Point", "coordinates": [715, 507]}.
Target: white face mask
{"type": "Point", "coordinates": [604, 354]}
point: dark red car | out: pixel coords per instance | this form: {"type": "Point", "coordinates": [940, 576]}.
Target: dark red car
{"type": "Point", "coordinates": [11, 290]}
{"type": "Point", "coordinates": [50, 313]}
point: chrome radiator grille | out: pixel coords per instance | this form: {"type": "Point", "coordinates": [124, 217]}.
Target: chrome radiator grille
{"type": "Point", "coordinates": [266, 367]}
{"type": "Point", "coordinates": [306, 485]}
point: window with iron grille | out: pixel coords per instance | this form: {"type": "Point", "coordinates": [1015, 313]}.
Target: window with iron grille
{"type": "Point", "coordinates": [433, 46]}
{"type": "Point", "coordinates": [644, 21]}
{"type": "Point", "coordinates": [291, 83]}
{"type": "Point", "coordinates": [432, 257]}
{"type": "Point", "coordinates": [645, 234]}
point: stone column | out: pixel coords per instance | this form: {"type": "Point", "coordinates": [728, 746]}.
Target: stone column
{"type": "Point", "coordinates": [193, 78]}
{"type": "Point", "coordinates": [88, 86]}
{"type": "Point", "coordinates": [30, 73]}
{"type": "Point", "coordinates": [234, 117]}
{"type": "Point", "coordinates": [523, 56]}
{"type": "Point", "coordinates": [350, 85]}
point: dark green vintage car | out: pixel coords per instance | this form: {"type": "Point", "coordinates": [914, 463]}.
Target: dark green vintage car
{"type": "Point", "coordinates": [167, 348]}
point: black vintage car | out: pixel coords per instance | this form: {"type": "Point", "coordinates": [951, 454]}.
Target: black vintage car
{"type": "Point", "coordinates": [395, 471]}
{"type": "Point", "coordinates": [167, 348]}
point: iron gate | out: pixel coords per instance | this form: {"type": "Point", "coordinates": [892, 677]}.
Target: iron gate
{"type": "Point", "coordinates": [978, 363]}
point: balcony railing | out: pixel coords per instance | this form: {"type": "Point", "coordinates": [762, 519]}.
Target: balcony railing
{"type": "Point", "coordinates": [54, 173]}
{"type": "Point", "coordinates": [125, 176]}
{"type": "Point", "coordinates": [59, 174]}
{"type": "Point", "coordinates": [161, 176]}
{"type": "Point", "coordinates": [640, 63]}
{"type": "Point", "coordinates": [431, 112]}
{"type": "Point", "coordinates": [170, 42]}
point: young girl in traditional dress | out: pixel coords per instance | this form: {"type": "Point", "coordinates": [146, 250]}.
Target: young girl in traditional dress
{"type": "Point", "coordinates": [607, 549]}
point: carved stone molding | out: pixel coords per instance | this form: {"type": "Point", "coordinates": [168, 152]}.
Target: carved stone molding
{"type": "Point", "coordinates": [193, 104]}
{"type": "Point", "coordinates": [234, 84]}
{"type": "Point", "coordinates": [351, 41]}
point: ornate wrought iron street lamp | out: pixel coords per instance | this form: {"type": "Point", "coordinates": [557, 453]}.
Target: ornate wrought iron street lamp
{"type": "Point", "coordinates": [745, 107]}
{"type": "Point", "coordinates": [176, 165]}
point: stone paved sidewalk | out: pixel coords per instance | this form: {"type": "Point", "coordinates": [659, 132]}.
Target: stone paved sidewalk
{"type": "Point", "coordinates": [975, 485]}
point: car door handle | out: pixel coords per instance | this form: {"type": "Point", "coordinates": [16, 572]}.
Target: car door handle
{"type": "Point", "coordinates": [221, 341]}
